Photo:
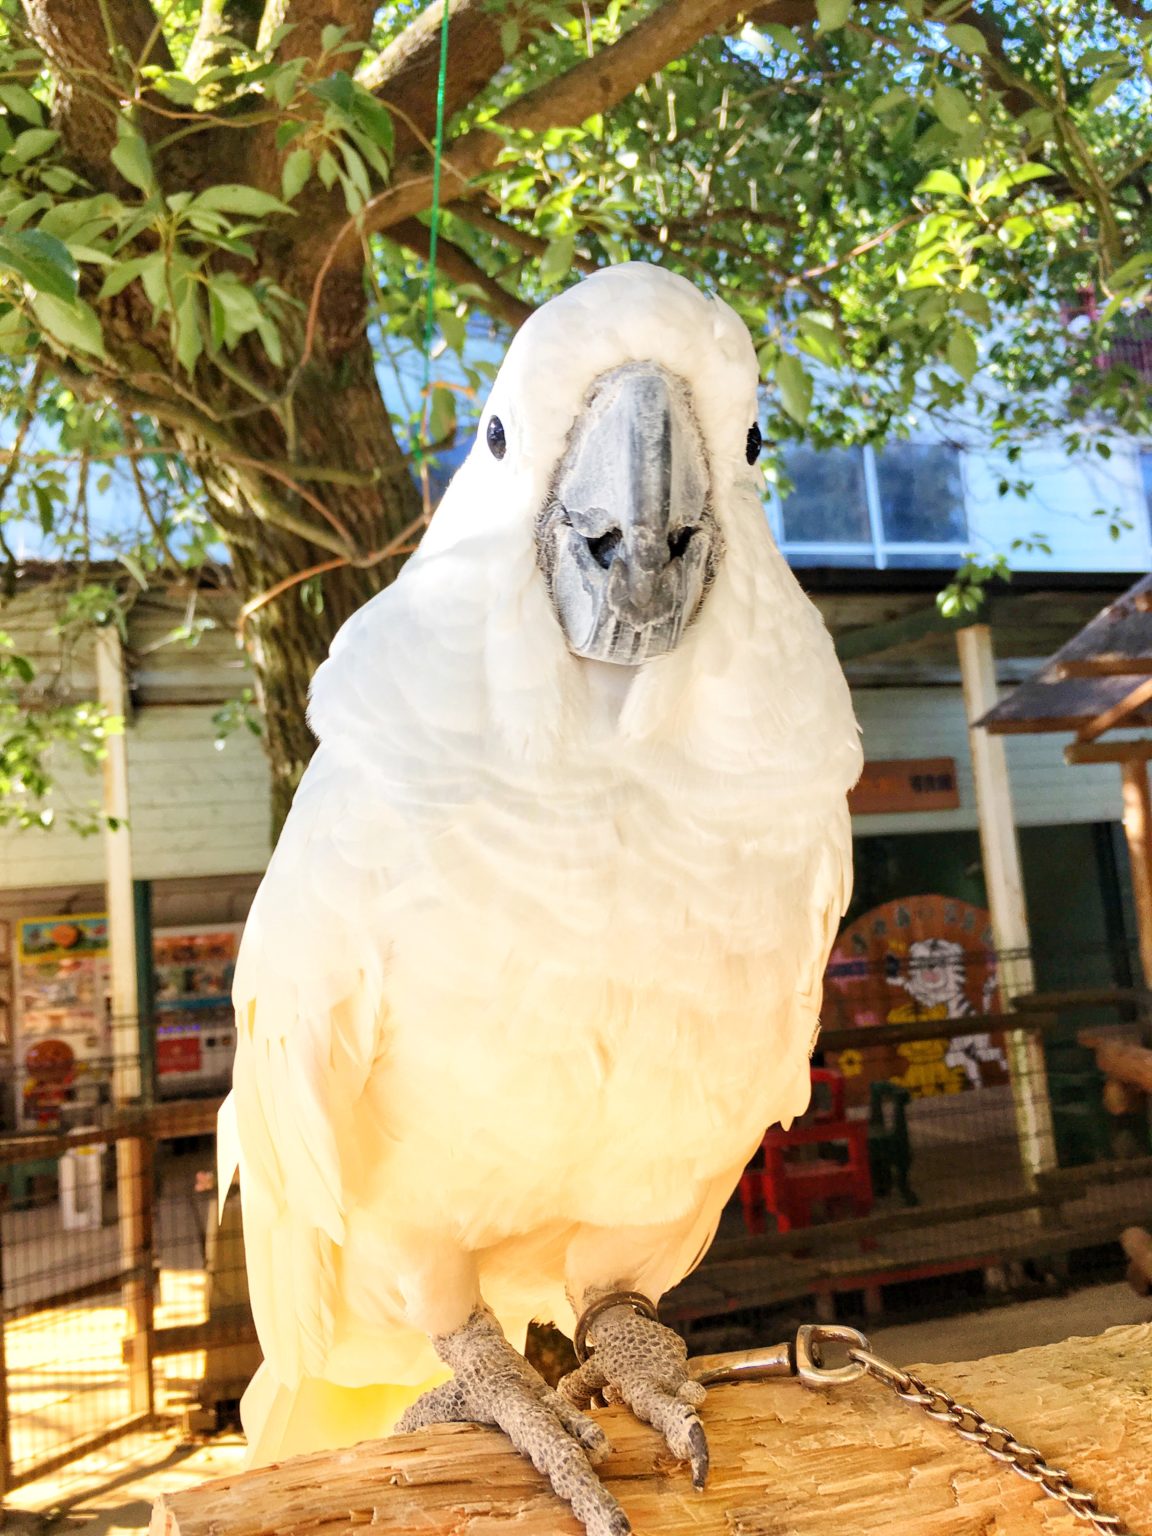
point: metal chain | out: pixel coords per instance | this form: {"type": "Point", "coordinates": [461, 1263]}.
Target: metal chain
{"type": "Point", "coordinates": [1000, 1443]}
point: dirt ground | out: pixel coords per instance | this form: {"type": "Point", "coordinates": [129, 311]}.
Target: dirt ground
{"type": "Point", "coordinates": [111, 1492]}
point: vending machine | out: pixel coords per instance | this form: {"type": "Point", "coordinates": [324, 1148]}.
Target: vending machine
{"type": "Point", "coordinates": [195, 1028]}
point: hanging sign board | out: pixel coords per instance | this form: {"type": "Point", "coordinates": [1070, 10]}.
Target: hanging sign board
{"type": "Point", "coordinates": [906, 784]}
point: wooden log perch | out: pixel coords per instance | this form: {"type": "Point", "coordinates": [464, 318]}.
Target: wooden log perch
{"type": "Point", "coordinates": [786, 1461]}
{"type": "Point", "coordinates": [1137, 1244]}
{"type": "Point", "coordinates": [1120, 1058]}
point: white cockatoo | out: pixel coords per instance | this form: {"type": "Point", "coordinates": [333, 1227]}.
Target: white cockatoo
{"type": "Point", "coordinates": [538, 956]}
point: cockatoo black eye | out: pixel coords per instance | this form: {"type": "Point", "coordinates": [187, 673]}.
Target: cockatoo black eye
{"type": "Point", "coordinates": [495, 438]}
{"type": "Point", "coordinates": [754, 444]}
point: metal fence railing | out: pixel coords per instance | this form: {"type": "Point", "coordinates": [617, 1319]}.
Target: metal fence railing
{"type": "Point", "coordinates": [982, 1155]}
{"type": "Point", "coordinates": [997, 1157]}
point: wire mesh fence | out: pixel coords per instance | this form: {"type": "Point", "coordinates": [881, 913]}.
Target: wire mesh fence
{"type": "Point", "coordinates": [942, 1159]}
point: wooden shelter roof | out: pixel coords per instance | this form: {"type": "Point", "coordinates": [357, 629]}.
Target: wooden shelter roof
{"type": "Point", "coordinates": [1098, 681]}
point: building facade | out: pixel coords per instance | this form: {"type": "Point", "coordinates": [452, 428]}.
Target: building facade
{"type": "Point", "coordinates": [869, 531]}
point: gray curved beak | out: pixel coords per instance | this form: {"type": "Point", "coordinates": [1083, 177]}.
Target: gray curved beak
{"type": "Point", "coordinates": [628, 541]}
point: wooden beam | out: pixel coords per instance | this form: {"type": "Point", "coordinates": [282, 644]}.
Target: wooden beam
{"type": "Point", "coordinates": [1004, 881]}
{"type": "Point", "coordinates": [1138, 831]}
{"type": "Point", "coordinates": [1105, 666]}
{"type": "Point", "coordinates": [1080, 752]}
{"type": "Point", "coordinates": [1044, 725]}
{"type": "Point", "coordinates": [783, 1458]}
{"type": "Point", "coordinates": [1110, 718]}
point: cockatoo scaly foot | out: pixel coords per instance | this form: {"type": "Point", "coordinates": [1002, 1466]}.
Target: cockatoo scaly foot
{"type": "Point", "coordinates": [494, 1384]}
{"type": "Point", "coordinates": [636, 1360]}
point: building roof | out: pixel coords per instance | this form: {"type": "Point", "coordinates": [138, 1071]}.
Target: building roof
{"type": "Point", "coordinates": [1099, 680]}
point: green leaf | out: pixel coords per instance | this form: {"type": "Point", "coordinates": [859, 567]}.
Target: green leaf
{"type": "Point", "coordinates": [1135, 269]}
{"type": "Point", "coordinates": [131, 158]}
{"type": "Point", "coordinates": [795, 387]}
{"type": "Point", "coordinates": [13, 333]}
{"type": "Point", "coordinates": [375, 120]}
{"type": "Point", "coordinates": [509, 37]}
{"type": "Point", "coordinates": [239, 303]}
{"type": "Point", "coordinates": [45, 510]}
{"type": "Point", "coordinates": [74, 325]}
{"type": "Point", "coordinates": [232, 197]}
{"type": "Point", "coordinates": [967, 38]}
{"type": "Point", "coordinates": [890, 101]}
{"type": "Point", "coordinates": [442, 415]}
{"type": "Point", "coordinates": [22, 103]}
{"type": "Point", "coordinates": [557, 260]}
{"type": "Point", "coordinates": [941, 181]}
{"type": "Point", "coordinates": [270, 337]}
{"type": "Point", "coordinates": [331, 37]}
{"type": "Point", "coordinates": [44, 263]}
{"type": "Point", "coordinates": [295, 174]}
{"type": "Point", "coordinates": [327, 168]}
{"type": "Point", "coordinates": [784, 38]}
{"type": "Point", "coordinates": [338, 89]}
{"type": "Point", "coordinates": [286, 132]}
{"type": "Point", "coordinates": [189, 337]}
{"type": "Point", "coordinates": [832, 14]}
{"type": "Point", "coordinates": [1103, 88]}
{"type": "Point", "coordinates": [962, 352]}
{"type": "Point", "coordinates": [31, 143]}
{"type": "Point", "coordinates": [952, 107]}
{"type": "Point", "coordinates": [453, 328]}
{"type": "Point", "coordinates": [975, 305]}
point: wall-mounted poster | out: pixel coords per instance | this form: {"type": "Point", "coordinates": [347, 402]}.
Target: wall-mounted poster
{"type": "Point", "coordinates": [63, 1040]}
{"type": "Point", "coordinates": [919, 958]}
{"type": "Point", "coordinates": [195, 1028]}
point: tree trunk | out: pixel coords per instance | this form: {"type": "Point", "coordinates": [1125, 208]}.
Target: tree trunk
{"type": "Point", "coordinates": [341, 423]}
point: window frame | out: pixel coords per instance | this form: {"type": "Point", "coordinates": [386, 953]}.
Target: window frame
{"type": "Point", "coordinates": [882, 550]}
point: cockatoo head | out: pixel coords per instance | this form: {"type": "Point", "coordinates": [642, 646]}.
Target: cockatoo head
{"type": "Point", "coordinates": [622, 408]}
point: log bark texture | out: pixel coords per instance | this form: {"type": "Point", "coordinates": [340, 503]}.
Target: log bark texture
{"type": "Point", "coordinates": [786, 1461]}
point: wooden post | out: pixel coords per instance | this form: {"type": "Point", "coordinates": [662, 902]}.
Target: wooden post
{"type": "Point", "coordinates": [5, 1418]}
{"type": "Point", "coordinates": [1138, 831]}
{"type": "Point", "coordinates": [784, 1459]}
{"type": "Point", "coordinates": [120, 898]}
{"type": "Point", "coordinates": [134, 1172]}
{"type": "Point", "coordinates": [1004, 881]}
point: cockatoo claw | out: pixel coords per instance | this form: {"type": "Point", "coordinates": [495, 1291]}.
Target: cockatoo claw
{"type": "Point", "coordinates": [495, 1385]}
{"type": "Point", "coordinates": [636, 1360]}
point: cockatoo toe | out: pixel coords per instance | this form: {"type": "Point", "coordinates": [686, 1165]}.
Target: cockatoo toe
{"type": "Point", "coordinates": [637, 1361]}
{"type": "Point", "coordinates": [495, 1385]}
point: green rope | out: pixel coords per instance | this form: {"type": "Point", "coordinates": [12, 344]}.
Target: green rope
{"type": "Point", "coordinates": [430, 294]}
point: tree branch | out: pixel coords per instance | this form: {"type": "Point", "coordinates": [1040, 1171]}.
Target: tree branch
{"type": "Point", "coordinates": [589, 87]}
{"type": "Point", "coordinates": [404, 74]}
{"type": "Point", "coordinates": [461, 268]}
{"type": "Point", "coordinates": [999, 71]}
{"type": "Point", "coordinates": [219, 20]}
{"type": "Point", "coordinates": [511, 234]}
{"type": "Point", "coordinates": [93, 48]}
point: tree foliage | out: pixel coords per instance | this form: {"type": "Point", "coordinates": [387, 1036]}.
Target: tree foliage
{"type": "Point", "coordinates": [215, 236]}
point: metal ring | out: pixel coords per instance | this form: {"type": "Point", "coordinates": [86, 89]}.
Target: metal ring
{"type": "Point", "coordinates": [639, 1303]}
{"type": "Point", "coordinates": [809, 1365]}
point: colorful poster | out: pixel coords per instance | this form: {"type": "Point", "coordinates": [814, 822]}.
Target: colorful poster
{"type": "Point", "coordinates": [917, 959]}
{"type": "Point", "coordinates": [63, 1040]}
